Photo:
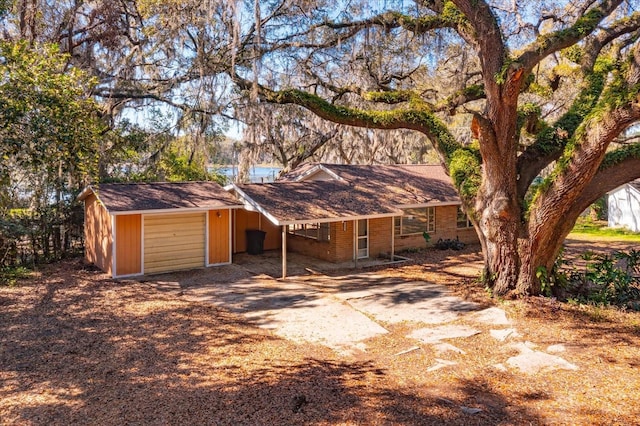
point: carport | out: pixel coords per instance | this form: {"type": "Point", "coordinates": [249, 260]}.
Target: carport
{"type": "Point", "coordinates": [328, 220]}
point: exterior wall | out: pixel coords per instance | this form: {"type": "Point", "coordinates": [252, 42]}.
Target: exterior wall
{"type": "Point", "coordinates": [243, 220]}
{"type": "Point", "coordinates": [97, 234]}
{"type": "Point", "coordinates": [624, 208]}
{"type": "Point", "coordinates": [339, 248]}
{"type": "Point", "coordinates": [219, 248]}
{"type": "Point", "coordinates": [446, 228]}
{"type": "Point", "coordinates": [273, 237]}
{"type": "Point", "coordinates": [380, 236]}
{"type": "Point", "coordinates": [342, 241]}
{"type": "Point", "coordinates": [173, 242]}
{"type": "Point", "coordinates": [309, 247]}
{"type": "Point", "coordinates": [128, 238]}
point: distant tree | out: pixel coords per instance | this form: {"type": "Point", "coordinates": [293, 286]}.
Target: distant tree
{"type": "Point", "coordinates": [49, 138]}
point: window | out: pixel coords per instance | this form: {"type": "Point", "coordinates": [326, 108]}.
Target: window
{"type": "Point", "coordinates": [463, 220]}
{"type": "Point", "coordinates": [316, 231]}
{"type": "Point", "coordinates": [416, 221]}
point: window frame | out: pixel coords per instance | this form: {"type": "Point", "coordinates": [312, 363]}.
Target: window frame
{"type": "Point", "coordinates": [459, 219]}
{"type": "Point", "coordinates": [313, 230]}
{"type": "Point", "coordinates": [429, 215]}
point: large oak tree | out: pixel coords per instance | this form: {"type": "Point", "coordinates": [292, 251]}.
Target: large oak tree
{"type": "Point", "coordinates": [530, 106]}
{"type": "Point", "coordinates": [546, 101]}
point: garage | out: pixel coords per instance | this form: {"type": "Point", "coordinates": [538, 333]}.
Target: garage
{"type": "Point", "coordinates": [173, 242]}
{"type": "Point", "coordinates": [148, 228]}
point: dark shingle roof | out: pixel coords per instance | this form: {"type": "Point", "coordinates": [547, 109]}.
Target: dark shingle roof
{"type": "Point", "coordinates": [120, 197]}
{"type": "Point", "coordinates": [365, 190]}
{"type": "Point", "coordinates": [316, 200]}
{"type": "Point", "coordinates": [402, 184]}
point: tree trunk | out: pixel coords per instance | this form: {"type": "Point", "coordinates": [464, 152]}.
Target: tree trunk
{"type": "Point", "coordinates": [498, 234]}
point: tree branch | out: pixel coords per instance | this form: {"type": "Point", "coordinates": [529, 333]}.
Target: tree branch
{"type": "Point", "coordinates": [419, 119]}
{"type": "Point", "coordinates": [550, 43]}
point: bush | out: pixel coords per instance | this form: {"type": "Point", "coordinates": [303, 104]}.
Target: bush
{"type": "Point", "coordinates": [449, 244]}
{"type": "Point", "coordinates": [10, 275]}
{"type": "Point", "coordinates": [605, 279]}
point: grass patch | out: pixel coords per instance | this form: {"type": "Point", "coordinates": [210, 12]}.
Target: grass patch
{"type": "Point", "coordinates": [9, 276]}
{"type": "Point", "coordinates": [598, 228]}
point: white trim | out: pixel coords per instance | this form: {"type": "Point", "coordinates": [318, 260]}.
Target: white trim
{"type": "Point", "coordinates": [128, 275]}
{"type": "Point", "coordinates": [175, 211]}
{"type": "Point", "coordinates": [285, 231]}
{"type": "Point", "coordinates": [255, 205]}
{"type": "Point", "coordinates": [365, 237]}
{"type": "Point", "coordinates": [315, 169]}
{"type": "Point", "coordinates": [113, 246]}
{"type": "Point", "coordinates": [231, 235]}
{"type": "Point", "coordinates": [142, 244]}
{"type": "Point", "coordinates": [206, 238]}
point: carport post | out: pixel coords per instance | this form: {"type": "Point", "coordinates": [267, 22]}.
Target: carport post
{"type": "Point", "coordinates": [285, 230]}
{"type": "Point", "coordinates": [393, 238]}
{"type": "Point", "coordinates": [355, 244]}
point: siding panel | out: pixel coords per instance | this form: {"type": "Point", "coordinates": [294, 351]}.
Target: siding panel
{"type": "Point", "coordinates": [173, 242]}
{"type": "Point", "coordinates": [98, 238]}
{"type": "Point", "coordinates": [219, 236]}
{"type": "Point", "coordinates": [128, 244]}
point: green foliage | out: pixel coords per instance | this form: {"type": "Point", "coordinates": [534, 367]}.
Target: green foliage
{"type": "Point", "coordinates": [583, 26]}
{"type": "Point", "coordinates": [616, 156]}
{"type": "Point", "coordinates": [604, 280]}
{"type": "Point", "coordinates": [574, 53]}
{"type": "Point", "coordinates": [426, 237]}
{"type": "Point", "coordinates": [177, 167]}
{"type": "Point", "coordinates": [50, 134]}
{"type": "Point", "coordinates": [587, 226]}
{"type": "Point", "coordinates": [552, 282]}
{"type": "Point", "coordinates": [10, 275]}
{"type": "Point", "coordinates": [465, 171]}
{"type": "Point", "coordinates": [46, 113]}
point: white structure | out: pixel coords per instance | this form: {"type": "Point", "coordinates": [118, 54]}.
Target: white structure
{"type": "Point", "coordinates": [624, 206]}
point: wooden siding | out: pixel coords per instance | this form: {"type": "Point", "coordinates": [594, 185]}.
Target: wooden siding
{"type": "Point", "coordinates": [253, 220]}
{"type": "Point", "coordinates": [97, 234]}
{"type": "Point", "coordinates": [219, 236]}
{"type": "Point", "coordinates": [244, 220]}
{"type": "Point", "coordinates": [173, 242]}
{"type": "Point", "coordinates": [128, 244]}
{"type": "Point", "coordinates": [273, 238]}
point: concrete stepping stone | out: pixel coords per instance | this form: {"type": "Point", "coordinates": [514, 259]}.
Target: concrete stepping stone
{"type": "Point", "coordinates": [502, 335]}
{"type": "Point", "coordinates": [531, 361]}
{"type": "Point", "coordinates": [441, 363]}
{"type": "Point", "coordinates": [444, 347]}
{"type": "Point", "coordinates": [492, 316]}
{"type": "Point", "coordinates": [435, 335]}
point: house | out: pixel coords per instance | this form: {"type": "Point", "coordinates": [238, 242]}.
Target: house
{"type": "Point", "coordinates": [624, 206]}
{"type": "Point", "coordinates": [350, 212]}
{"type": "Point", "coordinates": [143, 228]}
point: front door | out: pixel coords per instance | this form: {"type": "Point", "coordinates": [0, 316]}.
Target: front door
{"type": "Point", "coordinates": [363, 238]}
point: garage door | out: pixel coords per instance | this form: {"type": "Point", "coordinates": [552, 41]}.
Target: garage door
{"type": "Point", "coordinates": [173, 242]}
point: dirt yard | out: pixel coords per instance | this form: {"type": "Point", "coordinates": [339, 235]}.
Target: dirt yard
{"type": "Point", "coordinates": [79, 348]}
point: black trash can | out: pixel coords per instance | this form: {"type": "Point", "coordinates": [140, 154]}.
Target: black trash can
{"type": "Point", "coordinates": [255, 241]}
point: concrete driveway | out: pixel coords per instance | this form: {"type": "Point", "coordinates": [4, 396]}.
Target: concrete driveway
{"type": "Point", "coordinates": [343, 312]}
{"type": "Point", "coordinates": [337, 312]}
